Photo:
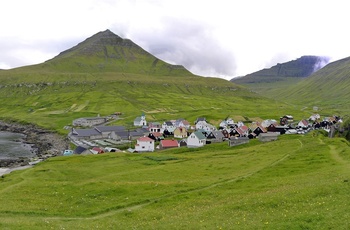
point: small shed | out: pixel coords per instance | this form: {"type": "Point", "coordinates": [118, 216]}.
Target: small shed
{"type": "Point", "coordinates": [68, 152]}
{"type": "Point", "coordinates": [271, 136]}
{"type": "Point", "coordinates": [234, 141]}
{"type": "Point", "coordinates": [183, 143]}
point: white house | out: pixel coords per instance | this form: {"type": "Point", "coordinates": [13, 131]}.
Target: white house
{"type": "Point", "coordinates": [268, 122]}
{"type": "Point", "coordinates": [140, 121]}
{"type": "Point", "coordinates": [209, 127]}
{"type": "Point", "coordinates": [196, 139]}
{"type": "Point", "coordinates": [230, 121]}
{"type": "Point", "coordinates": [314, 117]}
{"type": "Point", "coordinates": [168, 125]}
{"type": "Point", "coordinates": [184, 124]}
{"type": "Point", "coordinates": [223, 124]}
{"type": "Point", "coordinates": [201, 124]}
{"type": "Point", "coordinates": [303, 124]}
{"type": "Point", "coordinates": [144, 144]}
{"type": "Point", "coordinates": [227, 122]}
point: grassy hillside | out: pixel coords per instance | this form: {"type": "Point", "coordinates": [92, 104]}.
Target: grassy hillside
{"type": "Point", "coordinates": [328, 88]}
{"type": "Point", "coordinates": [282, 75]}
{"type": "Point", "coordinates": [106, 73]}
{"type": "Point", "coordinates": [297, 182]}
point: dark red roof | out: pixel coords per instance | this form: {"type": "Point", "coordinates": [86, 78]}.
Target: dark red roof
{"type": "Point", "coordinates": [169, 143]}
{"type": "Point", "coordinates": [157, 134]}
{"type": "Point", "coordinates": [97, 149]}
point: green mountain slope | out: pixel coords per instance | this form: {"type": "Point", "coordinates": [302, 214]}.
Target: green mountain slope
{"type": "Point", "coordinates": [328, 88]}
{"type": "Point", "coordinates": [282, 75]}
{"type": "Point", "coordinates": [105, 74]}
{"type": "Point", "coordinates": [107, 52]}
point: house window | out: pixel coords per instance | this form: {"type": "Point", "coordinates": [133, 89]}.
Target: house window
{"type": "Point", "coordinates": [143, 147]}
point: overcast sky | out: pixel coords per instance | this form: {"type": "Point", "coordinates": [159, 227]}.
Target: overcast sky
{"type": "Point", "coordinates": [221, 38]}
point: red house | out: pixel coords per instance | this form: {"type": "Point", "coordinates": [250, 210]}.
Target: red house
{"type": "Point", "coordinates": [167, 144]}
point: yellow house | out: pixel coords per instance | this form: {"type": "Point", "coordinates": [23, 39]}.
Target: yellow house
{"type": "Point", "coordinates": [180, 132]}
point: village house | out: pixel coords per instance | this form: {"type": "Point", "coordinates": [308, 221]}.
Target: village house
{"type": "Point", "coordinates": [227, 123]}
{"type": "Point", "coordinates": [185, 124]}
{"type": "Point", "coordinates": [204, 132]}
{"type": "Point", "coordinates": [223, 124]}
{"type": "Point", "coordinates": [215, 136]}
{"type": "Point", "coordinates": [314, 117]}
{"type": "Point", "coordinates": [144, 144]}
{"type": "Point", "coordinates": [268, 122]}
{"type": "Point", "coordinates": [277, 128]}
{"type": "Point", "coordinates": [226, 133]}
{"type": "Point", "coordinates": [85, 134]}
{"type": "Point", "coordinates": [241, 131]}
{"type": "Point", "coordinates": [167, 144]}
{"type": "Point", "coordinates": [183, 143]}
{"type": "Point", "coordinates": [182, 123]}
{"type": "Point", "coordinates": [200, 124]}
{"type": "Point", "coordinates": [169, 126]}
{"type": "Point", "coordinates": [209, 127]}
{"type": "Point", "coordinates": [205, 126]}
{"type": "Point", "coordinates": [79, 150]}
{"type": "Point", "coordinates": [140, 121]}
{"type": "Point", "coordinates": [200, 119]}
{"type": "Point", "coordinates": [97, 150]}
{"type": "Point", "coordinates": [303, 124]}
{"type": "Point", "coordinates": [156, 136]}
{"type": "Point", "coordinates": [257, 128]}
{"type": "Point", "coordinates": [155, 127]}
{"type": "Point", "coordinates": [180, 132]}
{"type": "Point", "coordinates": [107, 131]}
{"type": "Point", "coordinates": [286, 119]}
{"type": "Point", "coordinates": [196, 139]}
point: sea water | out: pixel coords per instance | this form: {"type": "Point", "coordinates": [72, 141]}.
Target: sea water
{"type": "Point", "coordinates": [12, 146]}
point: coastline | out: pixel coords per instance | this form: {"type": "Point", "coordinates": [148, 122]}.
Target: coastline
{"type": "Point", "coordinates": [4, 171]}
{"type": "Point", "coordinates": [43, 143]}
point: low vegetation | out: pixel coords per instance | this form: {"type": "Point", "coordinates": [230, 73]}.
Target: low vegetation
{"type": "Point", "coordinates": [297, 182]}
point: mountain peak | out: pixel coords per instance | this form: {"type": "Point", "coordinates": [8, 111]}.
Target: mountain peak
{"type": "Point", "coordinates": [106, 51]}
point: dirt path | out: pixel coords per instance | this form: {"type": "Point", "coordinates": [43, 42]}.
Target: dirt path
{"type": "Point", "coordinates": [335, 155]}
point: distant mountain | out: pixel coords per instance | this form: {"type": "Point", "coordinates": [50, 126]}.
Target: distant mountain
{"type": "Point", "coordinates": [282, 74]}
{"type": "Point", "coordinates": [328, 86]}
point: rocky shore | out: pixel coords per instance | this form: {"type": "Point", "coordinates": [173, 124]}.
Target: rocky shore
{"type": "Point", "coordinates": [42, 142]}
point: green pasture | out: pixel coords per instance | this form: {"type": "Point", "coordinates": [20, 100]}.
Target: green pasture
{"type": "Point", "coordinates": [297, 182]}
{"type": "Point", "coordinates": [53, 100]}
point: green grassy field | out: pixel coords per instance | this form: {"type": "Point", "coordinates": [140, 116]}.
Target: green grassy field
{"type": "Point", "coordinates": [297, 182]}
{"type": "Point", "coordinates": [53, 100]}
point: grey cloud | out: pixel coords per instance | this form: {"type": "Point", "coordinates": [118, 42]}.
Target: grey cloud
{"type": "Point", "coordinates": [14, 52]}
{"type": "Point", "coordinates": [188, 43]}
